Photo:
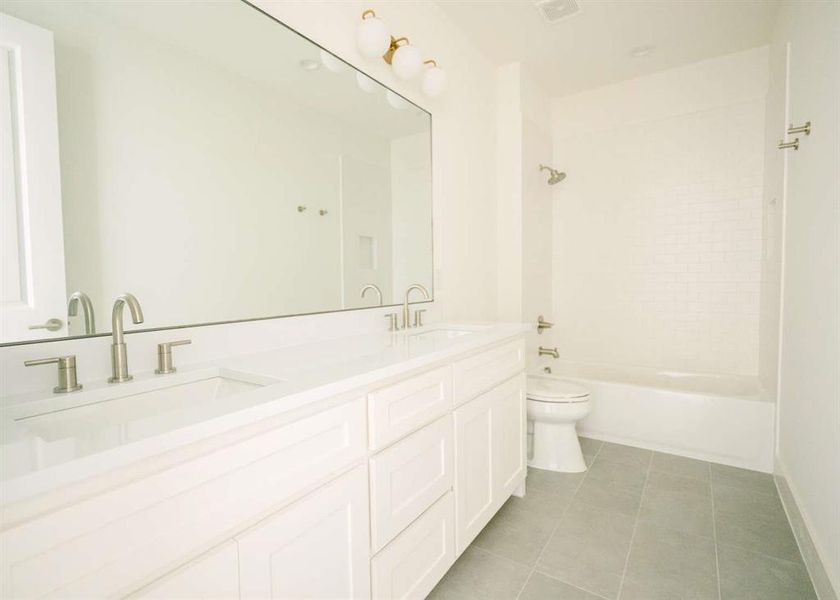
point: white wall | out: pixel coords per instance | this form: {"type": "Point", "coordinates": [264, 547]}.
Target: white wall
{"type": "Point", "coordinates": [809, 390]}
{"type": "Point", "coordinates": [524, 201]}
{"type": "Point", "coordinates": [657, 254]}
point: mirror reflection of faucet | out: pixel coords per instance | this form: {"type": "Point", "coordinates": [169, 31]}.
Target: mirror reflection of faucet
{"type": "Point", "coordinates": [375, 288]}
{"type": "Point", "coordinates": [81, 299]}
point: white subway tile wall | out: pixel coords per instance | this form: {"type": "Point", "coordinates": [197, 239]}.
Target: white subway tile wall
{"type": "Point", "coordinates": [658, 242]}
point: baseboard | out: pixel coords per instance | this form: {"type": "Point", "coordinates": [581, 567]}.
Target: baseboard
{"type": "Point", "coordinates": [668, 449]}
{"type": "Point", "coordinates": [811, 555]}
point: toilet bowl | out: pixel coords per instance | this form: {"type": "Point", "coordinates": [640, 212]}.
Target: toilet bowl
{"type": "Point", "coordinates": [554, 406]}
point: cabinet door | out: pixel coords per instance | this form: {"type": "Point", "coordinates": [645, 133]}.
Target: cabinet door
{"type": "Point", "coordinates": [509, 439]}
{"type": "Point", "coordinates": [318, 547]}
{"type": "Point", "coordinates": [214, 576]}
{"type": "Point", "coordinates": [489, 456]}
{"type": "Point", "coordinates": [473, 469]}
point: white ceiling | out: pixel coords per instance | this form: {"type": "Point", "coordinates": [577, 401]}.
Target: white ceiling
{"type": "Point", "coordinates": [592, 48]}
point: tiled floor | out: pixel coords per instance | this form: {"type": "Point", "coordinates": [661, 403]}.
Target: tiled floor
{"type": "Point", "coordinates": [637, 525]}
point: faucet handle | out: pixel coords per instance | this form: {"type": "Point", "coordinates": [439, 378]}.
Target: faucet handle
{"type": "Point", "coordinates": [164, 354]}
{"type": "Point", "coordinates": [392, 321]}
{"type": "Point", "coordinates": [67, 381]}
{"type": "Point", "coordinates": [418, 317]}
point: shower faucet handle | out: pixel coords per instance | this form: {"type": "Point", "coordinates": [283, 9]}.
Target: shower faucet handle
{"type": "Point", "coordinates": [543, 324]}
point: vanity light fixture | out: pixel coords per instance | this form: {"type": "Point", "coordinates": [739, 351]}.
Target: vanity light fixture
{"type": "Point", "coordinates": [373, 40]}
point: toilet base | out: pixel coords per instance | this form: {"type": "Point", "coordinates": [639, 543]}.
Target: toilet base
{"type": "Point", "coordinates": [557, 448]}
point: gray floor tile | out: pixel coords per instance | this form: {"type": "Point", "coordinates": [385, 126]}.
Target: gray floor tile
{"type": "Point", "coordinates": [590, 446]}
{"type": "Point", "coordinates": [668, 503]}
{"type": "Point", "coordinates": [678, 465]}
{"type": "Point", "coordinates": [757, 531]}
{"type": "Point", "coordinates": [729, 497]}
{"type": "Point", "coordinates": [744, 478]}
{"type": "Point", "coordinates": [589, 549]}
{"type": "Point", "coordinates": [753, 520]}
{"type": "Point", "coordinates": [609, 498]}
{"type": "Point", "coordinates": [665, 563]}
{"type": "Point", "coordinates": [478, 574]}
{"type": "Point", "coordinates": [542, 587]}
{"type": "Point", "coordinates": [617, 475]}
{"type": "Point", "coordinates": [560, 484]}
{"type": "Point", "coordinates": [544, 503]}
{"type": "Point", "coordinates": [668, 482]}
{"type": "Point", "coordinates": [571, 536]}
{"type": "Point", "coordinates": [516, 534]}
{"type": "Point", "coordinates": [746, 575]}
{"type": "Point", "coordinates": [625, 454]}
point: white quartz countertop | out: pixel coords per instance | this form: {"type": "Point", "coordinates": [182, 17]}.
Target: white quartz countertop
{"type": "Point", "coordinates": [49, 440]}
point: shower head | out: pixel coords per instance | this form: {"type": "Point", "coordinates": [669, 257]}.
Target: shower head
{"type": "Point", "coordinates": [554, 176]}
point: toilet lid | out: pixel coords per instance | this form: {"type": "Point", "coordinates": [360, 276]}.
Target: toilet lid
{"type": "Point", "coordinates": [551, 389]}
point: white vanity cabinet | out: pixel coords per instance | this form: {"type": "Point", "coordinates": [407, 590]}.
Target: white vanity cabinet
{"type": "Point", "coordinates": [373, 495]}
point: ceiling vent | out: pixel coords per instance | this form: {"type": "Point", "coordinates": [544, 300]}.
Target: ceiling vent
{"type": "Point", "coordinates": [555, 10]}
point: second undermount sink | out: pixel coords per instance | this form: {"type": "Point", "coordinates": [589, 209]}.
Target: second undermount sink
{"type": "Point", "coordinates": [142, 408]}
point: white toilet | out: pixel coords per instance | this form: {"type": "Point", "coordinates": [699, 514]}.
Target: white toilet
{"type": "Point", "coordinates": [554, 406]}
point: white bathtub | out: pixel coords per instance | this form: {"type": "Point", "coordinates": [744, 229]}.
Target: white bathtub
{"type": "Point", "coordinates": [719, 418]}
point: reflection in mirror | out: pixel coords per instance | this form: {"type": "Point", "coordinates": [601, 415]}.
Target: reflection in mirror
{"type": "Point", "coordinates": [206, 159]}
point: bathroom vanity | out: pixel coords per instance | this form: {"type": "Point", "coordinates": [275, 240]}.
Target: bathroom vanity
{"type": "Point", "coordinates": [359, 468]}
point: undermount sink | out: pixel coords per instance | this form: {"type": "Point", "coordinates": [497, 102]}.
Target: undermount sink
{"type": "Point", "coordinates": [443, 334]}
{"type": "Point", "coordinates": [142, 408]}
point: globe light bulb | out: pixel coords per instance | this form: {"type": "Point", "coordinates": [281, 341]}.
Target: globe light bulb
{"type": "Point", "coordinates": [434, 81]}
{"type": "Point", "coordinates": [372, 37]}
{"type": "Point", "coordinates": [407, 62]}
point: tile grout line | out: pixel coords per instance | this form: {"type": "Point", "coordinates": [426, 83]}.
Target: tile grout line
{"type": "Point", "coordinates": [714, 530]}
{"type": "Point", "coordinates": [635, 526]}
{"type": "Point", "coordinates": [556, 526]}
{"type": "Point", "coordinates": [570, 584]}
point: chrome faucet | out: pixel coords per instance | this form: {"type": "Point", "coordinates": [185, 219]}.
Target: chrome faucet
{"type": "Point", "coordinates": [119, 356]}
{"type": "Point", "coordinates": [375, 288]}
{"type": "Point", "coordinates": [552, 352]}
{"type": "Point", "coordinates": [406, 316]}
{"type": "Point", "coordinates": [80, 298]}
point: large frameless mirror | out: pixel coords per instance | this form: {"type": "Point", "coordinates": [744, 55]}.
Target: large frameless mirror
{"type": "Point", "coordinates": [203, 157]}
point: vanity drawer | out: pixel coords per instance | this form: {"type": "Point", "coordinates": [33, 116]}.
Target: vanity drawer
{"type": "Point", "coordinates": [399, 409]}
{"type": "Point", "coordinates": [412, 564]}
{"type": "Point", "coordinates": [480, 372]}
{"type": "Point", "coordinates": [408, 477]}
{"type": "Point", "coordinates": [114, 542]}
